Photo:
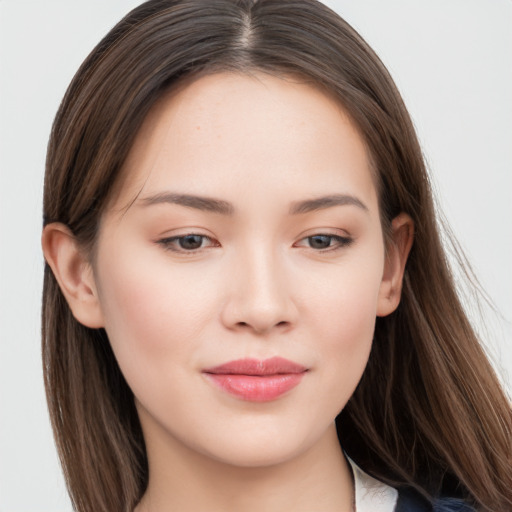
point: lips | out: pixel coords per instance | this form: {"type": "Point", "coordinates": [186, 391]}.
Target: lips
{"type": "Point", "coordinates": [256, 380]}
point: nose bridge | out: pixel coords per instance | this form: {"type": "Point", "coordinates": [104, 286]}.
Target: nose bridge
{"type": "Point", "coordinates": [260, 296]}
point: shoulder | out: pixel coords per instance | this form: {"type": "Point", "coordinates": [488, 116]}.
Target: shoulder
{"type": "Point", "coordinates": [410, 501]}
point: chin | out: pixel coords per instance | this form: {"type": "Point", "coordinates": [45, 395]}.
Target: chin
{"type": "Point", "coordinates": [255, 456]}
{"type": "Point", "coordinates": [259, 448]}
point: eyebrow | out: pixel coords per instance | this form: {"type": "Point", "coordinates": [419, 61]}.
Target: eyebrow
{"type": "Point", "coordinates": [324, 202]}
{"type": "Point", "coordinates": [190, 201]}
{"type": "Point", "coordinates": [225, 208]}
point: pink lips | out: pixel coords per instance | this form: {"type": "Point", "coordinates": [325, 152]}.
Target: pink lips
{"type": "Point", "coordinates": [257, 381]}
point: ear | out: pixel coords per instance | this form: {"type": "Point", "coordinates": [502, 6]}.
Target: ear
{"type": "Point", "coordinates": [402, 236]}
{"type": "Point", "coordinates": [73, 273]}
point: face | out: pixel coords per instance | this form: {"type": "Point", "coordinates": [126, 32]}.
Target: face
{"type": "Point", "coordinates": [239, 291]}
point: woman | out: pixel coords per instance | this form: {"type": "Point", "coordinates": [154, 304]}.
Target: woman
{"type": "Point", "coordinates": [246, 276]}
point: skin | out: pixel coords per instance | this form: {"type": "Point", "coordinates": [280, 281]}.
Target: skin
{"type": "Point", "coordinates": [257, 286]}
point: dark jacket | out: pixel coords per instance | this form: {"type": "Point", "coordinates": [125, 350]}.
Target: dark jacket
{"type": "Point", "coordinates": [410, 501]}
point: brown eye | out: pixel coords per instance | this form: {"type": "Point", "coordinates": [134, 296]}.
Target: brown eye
{"type": "Point", "coordinates": [320, 241]}
{"type": "Point", "coordinates": [190, 242]}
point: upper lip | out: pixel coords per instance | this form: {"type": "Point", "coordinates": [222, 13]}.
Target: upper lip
{"type": "Point", "coordinates": [257, 367]}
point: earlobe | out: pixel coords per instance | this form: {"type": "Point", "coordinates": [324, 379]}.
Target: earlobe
{"type": "Point", "coordinates": [73, 273]}
{"type": "Point", "coordinates": [402, 236]}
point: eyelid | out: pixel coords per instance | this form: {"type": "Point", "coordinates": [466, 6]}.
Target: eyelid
{"type": "Point", "coordinates": [170, 242]}
{"type": "Point", "coordinates": [343, 238]}
{"type": "Point", "coordinates": [335, 232]}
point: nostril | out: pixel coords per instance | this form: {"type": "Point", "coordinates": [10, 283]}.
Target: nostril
{"type": "Point", "coordinates": [245, 325]}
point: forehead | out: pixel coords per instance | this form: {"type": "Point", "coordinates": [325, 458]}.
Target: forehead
{"type": "Point", "coordinates": [246, 129]}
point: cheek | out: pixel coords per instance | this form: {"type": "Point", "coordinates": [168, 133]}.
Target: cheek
{"type": "Point", "coordinates": [349, 325]}
{"type": "Point", "coordinates": [345, 301]}
{"type": "Point", "coordinates": [344, 313]}
{"type": "Point", "coordinates": [151, 308]}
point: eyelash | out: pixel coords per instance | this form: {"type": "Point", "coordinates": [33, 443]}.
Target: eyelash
{"type": "Point", "coordinates": [172, 243]}
{"type": "Point", "coordinates": [340, 242]}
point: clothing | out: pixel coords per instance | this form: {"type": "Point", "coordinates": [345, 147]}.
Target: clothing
{"type": "Point", "coordinates": [410, 501]}
{"type": "Point", "coordinates": [372, 495]}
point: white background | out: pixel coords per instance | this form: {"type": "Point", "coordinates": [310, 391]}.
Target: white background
{"type": "Point", "coordinates": [450, 58]}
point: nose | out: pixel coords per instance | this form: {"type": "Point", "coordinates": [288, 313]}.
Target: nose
{"type": "Point", "coordinates": [260, 298]}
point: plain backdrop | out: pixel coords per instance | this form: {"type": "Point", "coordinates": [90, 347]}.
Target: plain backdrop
{"type": "Point", "coordinates": [451, 60]}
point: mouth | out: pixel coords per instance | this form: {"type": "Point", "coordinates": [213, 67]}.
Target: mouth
{"type": "Point", "coordinates": [257, 380]}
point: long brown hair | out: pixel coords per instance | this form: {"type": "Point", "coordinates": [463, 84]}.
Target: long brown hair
{"type": "Point", "coordinates": [429, 411]}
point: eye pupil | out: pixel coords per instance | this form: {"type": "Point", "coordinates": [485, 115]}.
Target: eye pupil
{"type": "Point", "coordinates": [190, 242]}
{"type": "Point", "coordinates": [320, 241]}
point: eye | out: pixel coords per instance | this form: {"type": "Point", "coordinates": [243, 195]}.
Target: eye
{"type": "Point", "coordinates": [191, 242]}
{"type": "Point", "coordinates": [187, 243]}
{"type": "Point", "coordinates": [323, 242]}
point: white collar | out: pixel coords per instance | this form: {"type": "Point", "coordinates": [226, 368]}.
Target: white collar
{"type": "Point", "coordinates": [372, 495]}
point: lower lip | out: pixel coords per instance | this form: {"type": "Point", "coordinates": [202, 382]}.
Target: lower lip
{"type": "Point", "coordinates": [255, 388]}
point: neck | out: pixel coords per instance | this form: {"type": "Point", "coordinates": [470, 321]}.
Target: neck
{"type": "Point", "coordinates": [181, 479]}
